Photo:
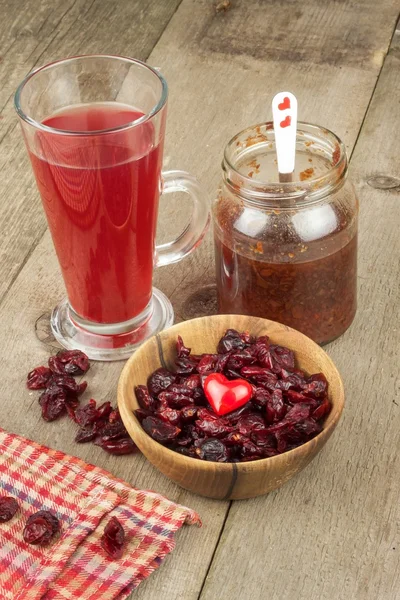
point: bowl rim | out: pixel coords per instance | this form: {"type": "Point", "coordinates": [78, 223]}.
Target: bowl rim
{"type": "Point", "coordinates": [245, 466]}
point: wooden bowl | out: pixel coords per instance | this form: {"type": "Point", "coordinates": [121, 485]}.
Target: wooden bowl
{"type": "Point", "coordinates": [225, 480]}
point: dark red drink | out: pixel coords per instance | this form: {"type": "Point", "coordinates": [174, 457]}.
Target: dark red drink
{"type": "Point", "coordinates": [100, 193]}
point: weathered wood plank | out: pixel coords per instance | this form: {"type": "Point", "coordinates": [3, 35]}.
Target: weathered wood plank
{"type": "Point", "coordinates": [214, 93]}
{"type": "Point", "coordinates": [333, 532]}
{"type": "Point", "coordinates": [33, 33]}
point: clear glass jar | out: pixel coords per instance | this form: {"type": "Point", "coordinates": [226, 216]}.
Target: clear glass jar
{"type": "Point", "coordinates": [287, 251]}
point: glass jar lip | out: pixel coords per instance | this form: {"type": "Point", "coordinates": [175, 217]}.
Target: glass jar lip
{"type": "Point", "coordinates": [296, 189]}
{"type": "Point", "coordinates": [38, 125]}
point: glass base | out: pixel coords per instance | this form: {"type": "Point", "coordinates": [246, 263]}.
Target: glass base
{"type": "Point", "coordinates": [116, 341]}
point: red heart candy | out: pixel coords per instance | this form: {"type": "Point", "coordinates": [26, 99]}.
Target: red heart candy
{"type": "Point", "coordinates": [285, 104]}
{"type": "Point", "coordinates": [286, 122]}
{"type": "Point", "coordinates": [224, 395]}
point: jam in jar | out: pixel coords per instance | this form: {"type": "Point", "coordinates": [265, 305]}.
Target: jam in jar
{"type": "Point", "coordinates": [287, 251]}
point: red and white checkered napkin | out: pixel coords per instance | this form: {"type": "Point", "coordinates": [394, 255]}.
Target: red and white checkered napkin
{"type": "Point", "coordinates": [84, 498]}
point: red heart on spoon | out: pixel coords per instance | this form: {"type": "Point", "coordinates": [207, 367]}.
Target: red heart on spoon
{"type": "Point", "coordinates": [285, 104]}
{"type": "Point", "coordinates": [224, 395]}
{"type": "Point", "coordinates": [286, 121]}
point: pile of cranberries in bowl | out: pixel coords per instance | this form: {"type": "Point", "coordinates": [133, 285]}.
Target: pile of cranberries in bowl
{"type": "Point", "coordinates": [246, 401]}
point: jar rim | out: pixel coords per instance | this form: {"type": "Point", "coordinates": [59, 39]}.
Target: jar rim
{"type": "Point", "coordinates": [310, 189]}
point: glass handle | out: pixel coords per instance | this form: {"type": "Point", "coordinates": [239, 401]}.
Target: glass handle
{"type": "Point", "coordinates": [191, 236]}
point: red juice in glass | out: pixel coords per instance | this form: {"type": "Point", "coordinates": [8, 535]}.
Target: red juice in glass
{"type": "Point", "coordinates": [100, 193]}
{"type": "Point", "coordinates": [94, 127]}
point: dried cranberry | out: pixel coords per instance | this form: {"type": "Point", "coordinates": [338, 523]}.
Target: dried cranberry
{"type": "Point", "coordinates": [213, 450]}
{"type": "Point", "coordinates": [323, 409]}
{"type": "Point", "coordinates": [181, 349]}
{"type": "Point", "coordinates": [70, 362]}
{"type": "Point", "coordinates": [275, 408]}
{"type": "Point", "coordinates": [41, 527]}
{"type": "Point", "coordinates": [160, 380]}
{"type": "Point", "coordinates": [235, 439]}
{"type": "Point", "coordinates": [71, 408]}
{"type": "Point", "coordinates": [117, 447]}
{"type": "Point", "coordinates": [292, 381]}
{"type": "Point", "coordinates": [221, 362]}
{"type": "Point", "coordinates": [212, 427]}
{"type": "Point", "coordinates": [104, 411]}
{"type": "Point", "coordinates": [113, 538]}
{"type": "Point", "coordinates": [232, 340]}
{"type": "Point", "coordinates": [188, 414]}
{"type": "Point", "coordinates": [317, 386]}
{"type": "Point", "coordinates": [308, 429]}
{"type": "Point", "coordinates": [240, 359]}
{"type": "Point", "coordinates": [53, 402]}
{"type": "Point", "coordinates": [261, 375]}
{"type": "Point", "coordinates": [112, 431]}
{"type": "Point", "coordinates": [250, 451]}
{"type": "Point", "coordinates": [143, 397]}
{"type": "Point", "coordinates": [247, 338]}
{"type": "Point", "coordinates": [248, 423]}
{"type": "Point", "coordinates": [68, 383]}
{"type": "Point", "coordinates": [85, 435]}
{"type": "Point", "coordinates": [232, 374]}
{"type": "Point", "coordinates": [283, 356]}
{"type": "Point", "coordinates": [87, 415]}
{"type": "Point", "coordinates": [186, 366]}
{"type": "Point", "coordinates": [295, 397]}
{"type": "Point", "coordinates": [233, 417]}
{"type": "Point", "coordinates": [141, 414]}
{"type": "Point", "coordinates": [192, 382]}
{"type": "Point", "coordinates": [261, 397]}
{"type": "Point", "coordinates": [175, 400]}
{"type": "Point", "coordinates": [296, 414]}
{"type": "Point", "coordinates": [207, 364]}
{"type": "Point", "coordinates": [262, 438]}
{"type": "Point", "coordinates": [8, 508]}
{"type": "Point", "coordinates": [38, 378]}
{"type": "Point", "coordinates": [169, 415]}
{"type": "Point", "coordinates": [160, 431]}
{"type": "Point", "coordinates": [207, 413]}
{"type": "Point", "coordinates": [180, 388]}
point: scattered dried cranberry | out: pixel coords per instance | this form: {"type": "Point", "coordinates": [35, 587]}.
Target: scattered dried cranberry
{"type": "Point", "coordinates": [69, 384]}
{"type": "Point", "coordinates": [85, 435]}
{"type": "Point", "coordinates": [99, 424]}
{"type": "Point", "coordinates": [53, 402]}
{"type": "Point", "coordinates": [113, 538]}
{"type": "Point", "coordinates": [69, 362]}
{"type": "Point", "coordinates": [37, 378]}
{"type": "Point", "coordinates": [286, 408]}
{"type": "Point", "coordinates": [40, 528]}
{"type": "Point", "coordinates": [118, 447]}
{"type": "Point", "coordinates": [8, 508]}
{"type": "Point", "coordinates": [87, 415]}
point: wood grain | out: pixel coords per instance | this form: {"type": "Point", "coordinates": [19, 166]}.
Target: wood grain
{"type": "Point", "coordinates": [332, 533]}
{"type": "Point", "coordinates": [213, 94]}
{"type": "Point", "coordinates": [32, 34]}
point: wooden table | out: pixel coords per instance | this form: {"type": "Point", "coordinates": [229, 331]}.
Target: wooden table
{"type": "Point", "coordinates": [332, 533]}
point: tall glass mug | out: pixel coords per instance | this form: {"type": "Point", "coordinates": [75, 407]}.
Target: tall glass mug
{"type": "Point", "coordinates": [94, 128]}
